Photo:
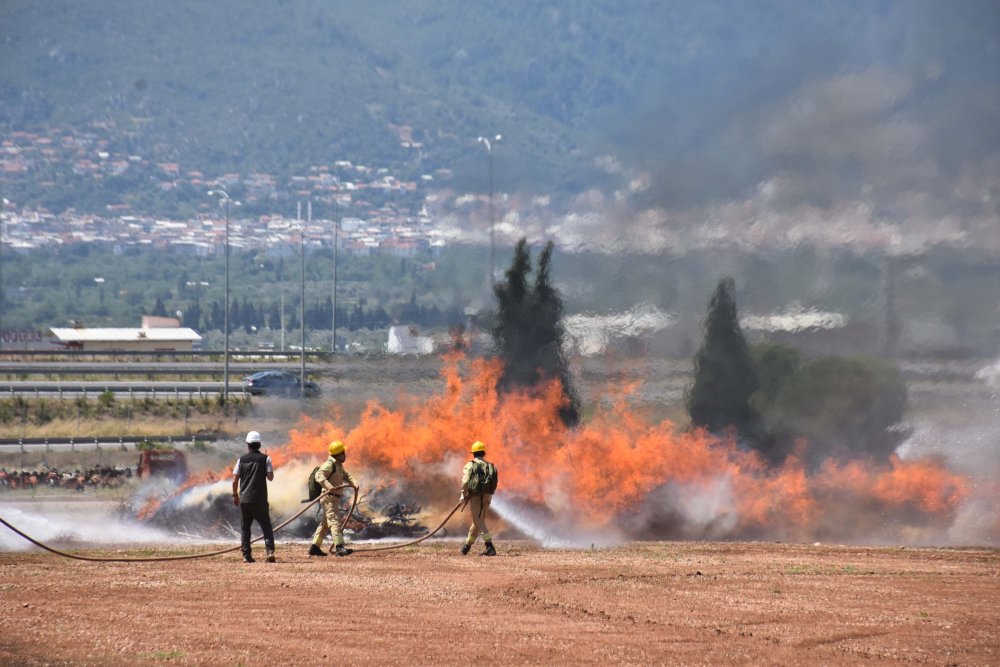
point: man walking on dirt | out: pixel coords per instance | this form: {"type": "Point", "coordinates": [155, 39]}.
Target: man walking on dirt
{"type": "Point", "coordinates": [329, 475]}
{"type": "Point", "coordinates": [479, 481]}
{"type": "Point", "coordinates": [250, 477]}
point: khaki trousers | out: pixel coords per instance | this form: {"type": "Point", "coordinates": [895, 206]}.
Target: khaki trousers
{"type": "Point", "coordinates": [332, 518]}
{"type": "Point", "coordinates": [478, 505]}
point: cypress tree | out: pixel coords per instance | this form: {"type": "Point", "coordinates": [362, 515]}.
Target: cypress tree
{"type": "Point", "coordinates": [724, 375]}
{"type": "Point", "coordinates": [274, 319]}
{"type": "Point", "coordinates": [216, 316]}
{"type": "Point", "coordinates": [528, 331]}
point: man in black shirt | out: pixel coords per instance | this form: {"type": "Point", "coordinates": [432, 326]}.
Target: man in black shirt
{"type": "Point", "coordinates": [250, 477]}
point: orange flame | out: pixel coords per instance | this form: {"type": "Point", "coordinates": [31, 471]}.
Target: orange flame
{"type": "Point", "coordinates": [612, 462]}
{"type": "Point", "coordinates": [610, 465]}
{"type": "Point", "coordinates": [152, 504]}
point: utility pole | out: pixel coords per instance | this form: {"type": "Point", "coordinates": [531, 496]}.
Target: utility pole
{"type": "Point", "coordinates": [890, 321]}
{"type": "Point", "coordinates": [336, 243]}
{"type": "Point", "coordinates": [3, 228]}
{"type": "Point", "coordinates": [225, 354]}
{"type": "Point", "coordinates": [302, 295]}
{"type": "Point", "coordinates": [490, 146]}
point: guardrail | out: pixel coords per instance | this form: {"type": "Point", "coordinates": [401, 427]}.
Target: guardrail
{"type": "Point", "coordinates": [163, 368]}
{"type": "Point", "coordinates": [170, 354]}
{"type": "Point", "coordinates": [108, 440]}
{"type": "Point", "coordinates": [61, 390]}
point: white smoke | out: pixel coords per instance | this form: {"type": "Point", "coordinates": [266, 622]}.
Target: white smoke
{"type": "Point", "coordinates": [990, 374]}
{"type": "Point", "coordinates": [75, 525]}
{"type": "Point", "coordinates": [591, 333]}
{"type": "Point", "coordinates": [285, 493]}
{"type": "Point", "coordinates": [965, 437]}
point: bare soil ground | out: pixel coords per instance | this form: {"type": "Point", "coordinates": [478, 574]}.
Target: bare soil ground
{"type": "Point", "coordinates": [642, 603]}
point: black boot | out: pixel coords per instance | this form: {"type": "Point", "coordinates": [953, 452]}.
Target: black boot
{"type": "Point", "coordinates": [247, 558]}
{"type": "Point", "coordinates": [490, 551]}
{"type": "Point", "coordinates": [270, 557]}
{"type": "Point", "coordinates": [344, 551]}
{"type": "Point", "coordinates": [465, 549]}
{"type": "Point", "coordinates": [316, 551]}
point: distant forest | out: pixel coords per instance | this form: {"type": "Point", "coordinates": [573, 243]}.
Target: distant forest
{"type": "Point", "coordinates": [102, 286]}
{"type": "Point", "coordinates": [941, 300]}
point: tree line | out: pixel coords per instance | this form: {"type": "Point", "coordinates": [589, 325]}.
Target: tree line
{"type": "Point", "coordinates": [251, 315]}
{"type": "Point", "coordinates": [770, 398]}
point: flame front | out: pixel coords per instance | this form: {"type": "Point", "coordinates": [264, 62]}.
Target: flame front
{"type": "Point", "coordinates": [620, 471]}
{"type": "Point", "coordinates": [611, 469]}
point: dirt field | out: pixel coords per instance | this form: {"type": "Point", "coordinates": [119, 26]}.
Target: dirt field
{"type": "Point", "coordinates": [644, 603]}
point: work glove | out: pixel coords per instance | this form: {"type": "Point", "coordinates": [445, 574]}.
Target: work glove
{"type": "Point", "coordinates": [461, 497]}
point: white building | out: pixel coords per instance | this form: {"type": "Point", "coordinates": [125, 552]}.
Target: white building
{"type": "Point", "coordinates": [404, 340]}
{"type": "Point", "coordinates": [158, 334]}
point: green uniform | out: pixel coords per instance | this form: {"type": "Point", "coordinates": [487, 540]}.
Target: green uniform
{"type": "Point", "coordinates": [329, 475]}
{"type": "Point", "coordinates": [478, 504]}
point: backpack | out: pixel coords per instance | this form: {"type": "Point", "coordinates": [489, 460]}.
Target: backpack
{"type": "Point", "coordinates": [314, 487]}
{"type": "Point", "coordinates": [483, 479]}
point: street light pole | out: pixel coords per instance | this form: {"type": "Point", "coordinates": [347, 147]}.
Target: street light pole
{"type": "Point", "coordinates": [3, 205]}
{"type": "Point", "coordinates": [302, 295]}
{"type": "Point", "coordinates": [490, 145]}
{"type": "Point", "coordinates": [336, 242]}
{"type": "Point", "coordinates": [225, 354]}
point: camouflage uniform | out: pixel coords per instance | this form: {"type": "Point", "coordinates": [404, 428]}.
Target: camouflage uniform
{"type": "Point", "coordinates": [329, 475]}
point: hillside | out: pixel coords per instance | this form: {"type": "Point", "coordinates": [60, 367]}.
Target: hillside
{"type": "Point", "coordinates": [292, 83]}
{"type": "Point", "coordinates": [653, 126]}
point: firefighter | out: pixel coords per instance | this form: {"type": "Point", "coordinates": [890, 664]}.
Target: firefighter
{"type": "Point", "coordinates": [330, 475]}
{"type": "Point", "coordinates": [479, 481]}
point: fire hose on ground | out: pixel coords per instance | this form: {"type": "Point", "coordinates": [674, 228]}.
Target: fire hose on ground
{"type": "Point", "coordinates": [209, 554]}
{"type": "Point", "coordinates": [461, 504]}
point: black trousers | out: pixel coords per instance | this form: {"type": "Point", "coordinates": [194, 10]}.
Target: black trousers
{"type": "Point", "coordinates": [256, 512]}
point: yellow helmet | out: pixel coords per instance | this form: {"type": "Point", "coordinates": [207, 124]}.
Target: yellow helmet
{"type": "Point", "coordinates": [336, 447]}
{"type": "Point", "coordinates": [478, 446]}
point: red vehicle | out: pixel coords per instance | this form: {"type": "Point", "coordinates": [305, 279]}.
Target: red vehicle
{"type": "Point", "coordinates": [164, 462]}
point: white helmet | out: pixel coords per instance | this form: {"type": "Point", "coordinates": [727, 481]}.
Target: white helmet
{"type": "Point", "coordinates": [253, 436]}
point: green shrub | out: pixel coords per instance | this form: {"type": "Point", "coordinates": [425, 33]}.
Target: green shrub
{"type": "Point", "coordinates": [842, 406]}
{"type": "Point", "coordinates": [43, 413]}
{"type": "Point", "coordinates": [106, 400]}
{"type": "Point", "coordinates": [150, 446]}
{"type": "Point", "coordinates": [775, 363]}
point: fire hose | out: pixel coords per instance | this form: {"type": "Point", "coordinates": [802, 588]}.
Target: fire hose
{"type": "Point", "coordinates": [461, 503]}
{"type": "Point", "coordinates": [207, 554]}
{"type": "Point", "coordinates": [101, 559]}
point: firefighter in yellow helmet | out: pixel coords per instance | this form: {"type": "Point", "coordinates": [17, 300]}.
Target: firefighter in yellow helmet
{"type": "Point", "coordinates": [329, 475]}
{"type": "Point", "coordinates": [479, 481]}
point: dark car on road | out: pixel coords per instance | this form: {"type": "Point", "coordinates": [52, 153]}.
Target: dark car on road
{"type": "Point", "coordinates": [278, 383]}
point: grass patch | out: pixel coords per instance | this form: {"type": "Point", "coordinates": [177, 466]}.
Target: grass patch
{"type": "Point", "coordinates": [165, 655]}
